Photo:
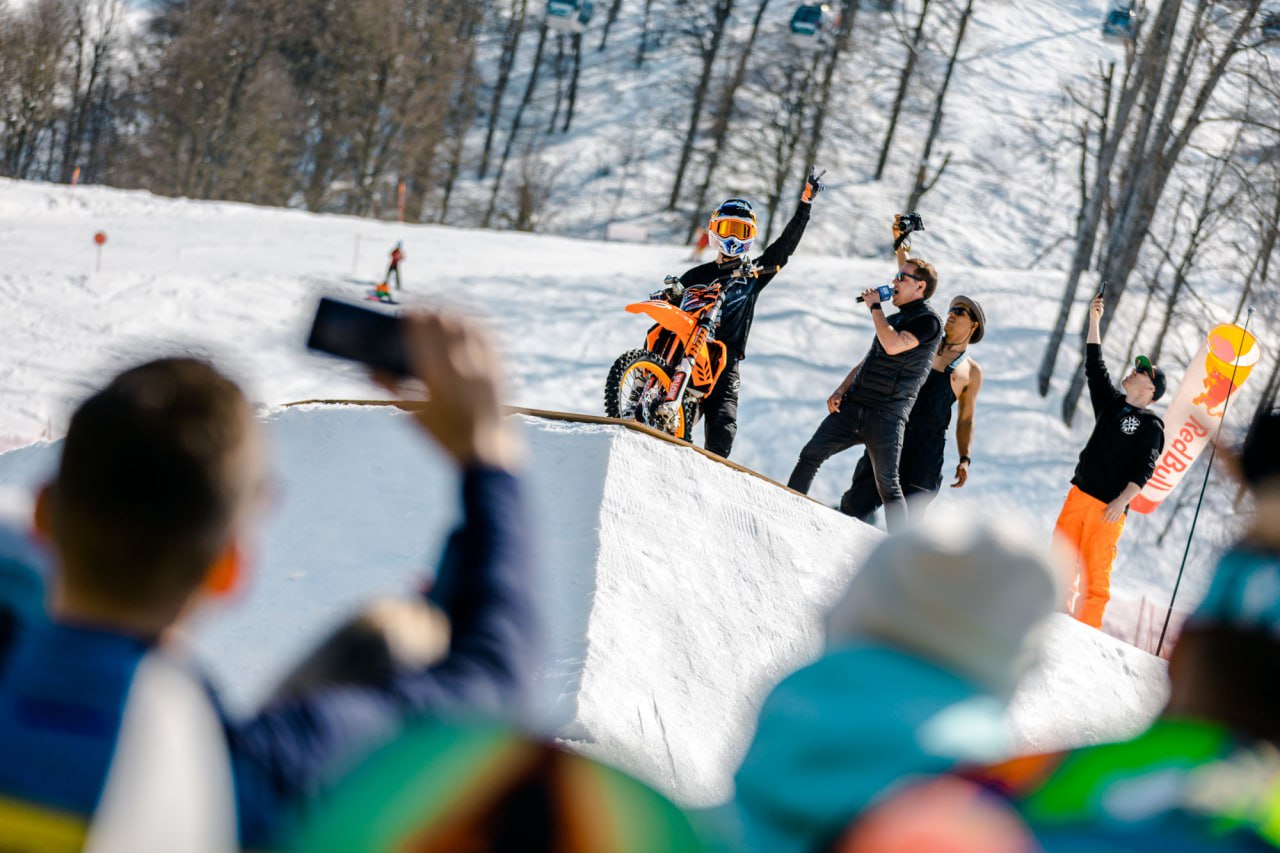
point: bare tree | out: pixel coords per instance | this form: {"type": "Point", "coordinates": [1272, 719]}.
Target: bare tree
{"type": "Point", "coordinates": [904, 81]}
{"type": "Point", "coordinates": [704, 28]}
{"type": "Point", "coordinates": [506, 61]}
{"type": "Point", "coordinates": [34, 41]}
{"type": "Point", "coordinates": [724, 113]}
{"type": "Point", "coordinates": [1162, 135]}
{"type": "Point", "coordinates": [923, 183]}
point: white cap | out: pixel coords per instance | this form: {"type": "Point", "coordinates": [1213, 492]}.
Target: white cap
{"type": "Point", "coordinates": [966, 592]}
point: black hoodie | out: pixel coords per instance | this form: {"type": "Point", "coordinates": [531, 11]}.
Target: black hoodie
{"type": "Point", "coordinates": [1126, 440]}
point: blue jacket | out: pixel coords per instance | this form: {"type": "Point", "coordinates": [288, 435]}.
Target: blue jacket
{"type": "Point", "coordinates": [837, 735]}
{"type": "Point", "coordinates": [63, 692]}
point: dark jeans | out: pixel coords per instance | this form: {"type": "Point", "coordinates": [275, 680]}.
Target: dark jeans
{"type": "Point", "coordinates": [882, 434]}
{"type": "Point", "coordinates": [863, 498]}
{"type": "Point", "coordinates": [720, 412]}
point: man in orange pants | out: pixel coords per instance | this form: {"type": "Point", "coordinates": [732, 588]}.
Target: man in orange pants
{"type": "Point", "coordinates": [1114, 466]}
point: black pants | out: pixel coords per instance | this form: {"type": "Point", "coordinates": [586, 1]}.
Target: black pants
{"type": "Point", "coordinates": [863, 498]}
{"type": "Point", "coordinates": [720, 412]}
{"type": "Point", "coordinates": [880, 432]}
{"type": "Point", "coordinates": [394, 269]}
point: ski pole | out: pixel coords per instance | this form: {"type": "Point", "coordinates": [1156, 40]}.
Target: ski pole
{"type": "Point", "coordinates": [1213, 450]}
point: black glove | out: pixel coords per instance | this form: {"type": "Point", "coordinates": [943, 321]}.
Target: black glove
{"type": "Point", "coordinates": [813, 184]}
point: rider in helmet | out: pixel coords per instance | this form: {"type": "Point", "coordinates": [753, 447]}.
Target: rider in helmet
{"type": "Point", "coordinates": [732, 231]}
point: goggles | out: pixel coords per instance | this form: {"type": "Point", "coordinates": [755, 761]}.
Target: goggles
{"type": "Point", "coordinates": [739, 229]}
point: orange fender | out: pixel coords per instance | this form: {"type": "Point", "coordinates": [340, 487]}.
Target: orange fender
{"type": "Point", "coordinates": [667, 316]}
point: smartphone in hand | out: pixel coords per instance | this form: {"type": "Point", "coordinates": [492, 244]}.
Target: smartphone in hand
{"type": "Point", "coordinates": [361, 334]}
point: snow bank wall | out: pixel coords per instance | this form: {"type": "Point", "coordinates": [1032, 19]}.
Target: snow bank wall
{"type": "Point", "coordinates": [676, 590]}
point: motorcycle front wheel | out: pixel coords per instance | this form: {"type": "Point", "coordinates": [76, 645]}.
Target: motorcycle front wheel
{"type": "Point", "coordinates": [636, 388]}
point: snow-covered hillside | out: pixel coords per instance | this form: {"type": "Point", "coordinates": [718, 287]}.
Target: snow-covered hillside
{"type": "Point", "coordinates": [240, 283]}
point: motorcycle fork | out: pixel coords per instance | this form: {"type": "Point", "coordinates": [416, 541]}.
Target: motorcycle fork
{"type": "Point", "coordinates": [678, 379]}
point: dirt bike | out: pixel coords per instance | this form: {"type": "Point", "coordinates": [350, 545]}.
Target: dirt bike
{"type": "Point", "coordinates": [663, 384]}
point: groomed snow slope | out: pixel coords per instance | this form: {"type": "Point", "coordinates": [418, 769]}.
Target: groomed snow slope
{"type": "Point", "coordinates": [676, 590]}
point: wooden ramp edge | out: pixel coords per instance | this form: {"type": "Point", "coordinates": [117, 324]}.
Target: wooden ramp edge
{"type": "Point", "coordinates": [573, 417]}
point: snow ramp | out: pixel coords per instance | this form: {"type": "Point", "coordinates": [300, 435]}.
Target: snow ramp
{"type": "Point", "coordinates": [676, 588]}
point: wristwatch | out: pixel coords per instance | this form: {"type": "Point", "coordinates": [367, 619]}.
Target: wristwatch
{"type": "Point", "coordinates": [875, 306]}
{"type": "Point", "coordinates": [964, 459]}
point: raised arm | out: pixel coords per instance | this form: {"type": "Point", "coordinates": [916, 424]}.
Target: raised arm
{"type": "Point", "coordinates": [780, 250]}
{"type": "Point", "coordinates": [1102, 392]}
{"type": "Point", "coordinates": [295, 746]}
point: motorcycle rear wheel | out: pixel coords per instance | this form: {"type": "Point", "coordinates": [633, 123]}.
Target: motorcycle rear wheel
{"type": "Point", "coordinates": [630, 394]}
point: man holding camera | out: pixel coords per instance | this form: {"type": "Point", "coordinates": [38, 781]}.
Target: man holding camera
{"type": "Point", "coordinates": [871, 405]}
{"type": "Point", "coordinates": [1114, 466]}
{"type": "Point", "coordinates": [955, 377]}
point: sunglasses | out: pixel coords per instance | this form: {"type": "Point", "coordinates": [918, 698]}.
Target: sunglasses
{"type": "Point", "coordinates": [961, 311]}
{"type": "Point", "coordinates": [904, 274]}
{"type": "Point", "coordinates": [1142, 364]}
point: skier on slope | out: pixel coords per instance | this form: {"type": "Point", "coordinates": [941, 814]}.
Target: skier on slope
{"type": "Point", "coordinates": [732, 231]}
{"type": "Point", "coordinates": [383, 290]}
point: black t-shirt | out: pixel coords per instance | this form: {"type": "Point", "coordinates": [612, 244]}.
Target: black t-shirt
{"type": "Point", "coordinates": [926, 328]}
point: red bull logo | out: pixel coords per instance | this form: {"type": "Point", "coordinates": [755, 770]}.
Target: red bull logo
{"type": "Point", "coordinates": [1222, 365]}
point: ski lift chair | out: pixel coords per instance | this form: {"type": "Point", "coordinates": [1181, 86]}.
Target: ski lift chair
{"type": "Point", "coordinates": [569, 16]}
{"type": "Point", "coordinates": [810, 24]}
{"type": "Point", "coordinates": [1121, 23]}
{"type": "Point", "coordinates": [1271, 25]}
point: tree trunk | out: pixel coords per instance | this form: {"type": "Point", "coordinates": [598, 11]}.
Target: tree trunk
{"type": "Point", "coordinates": [608, 23]}
{"type": "Point", "coordinates": [921, 187]}
{"type": "Point", "coordinates": [643, 44]}
{"type": "Point", "coordinates": [724, 115]}
{"type": "Point", "coordinates": [708, 53]}
{"type": "Point", "coordinates": [573, 82]}
{"type": "Point", "coordinates": [848, 16]}
{"type": "Point", "coordinates": [515, 126]}
{"type": "Point", "coordinates": [506, 61]}
{"type": "Point", "coordinates": [558, 65]}
{"type": "Point", "coordinates": [904, 80]}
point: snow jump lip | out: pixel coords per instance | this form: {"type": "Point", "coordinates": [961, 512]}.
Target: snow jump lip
{"type": "Point", "coordinates": [572, 417]}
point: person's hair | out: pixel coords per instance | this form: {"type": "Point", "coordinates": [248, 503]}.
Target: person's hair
{"type": "Point", "coordinates": [154, 473]}
{"type": "Point", "coordinates": [1230, 675]}
{"type": "Point", "coordinates": [1260, 455]}
{"type": "Point", "coordinates": [925, 269]}
{"type": "Point", "coordinates": [389, 636]}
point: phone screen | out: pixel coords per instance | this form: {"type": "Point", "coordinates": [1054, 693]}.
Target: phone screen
{"type": "Point", "coordinates": [361, 334]}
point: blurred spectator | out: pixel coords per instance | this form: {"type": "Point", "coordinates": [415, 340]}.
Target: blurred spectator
{"type": "Point", "coordinates": [23, 566]}
{"type": "Point", "coordinates": [1206, 774]}
{"type": "Point", "coordinates": [447, 788]}
{"type": "Point", "coordinates": [923, 653]}
{"type": "Point", "coordinates": [151, 513]}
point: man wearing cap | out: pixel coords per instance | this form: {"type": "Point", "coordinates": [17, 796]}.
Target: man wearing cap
{"type": "Point", "coordinates": [955, 376]}
{"type": "Point", "coordinates": [1114, 466]}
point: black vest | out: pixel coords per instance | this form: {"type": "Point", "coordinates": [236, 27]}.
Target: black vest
{"type": "Point", "coordinates": [890, 383]}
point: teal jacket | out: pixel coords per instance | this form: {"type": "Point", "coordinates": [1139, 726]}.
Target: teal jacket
{"type": "Point", "coordinates": [837, 735]}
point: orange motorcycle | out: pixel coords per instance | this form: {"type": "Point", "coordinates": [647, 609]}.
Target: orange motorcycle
{"type": "Point", "coordinates": [663, 384]}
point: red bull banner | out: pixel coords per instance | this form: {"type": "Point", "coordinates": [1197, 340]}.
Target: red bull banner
{"type": "Point", "coordinates": [1222, 365]}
